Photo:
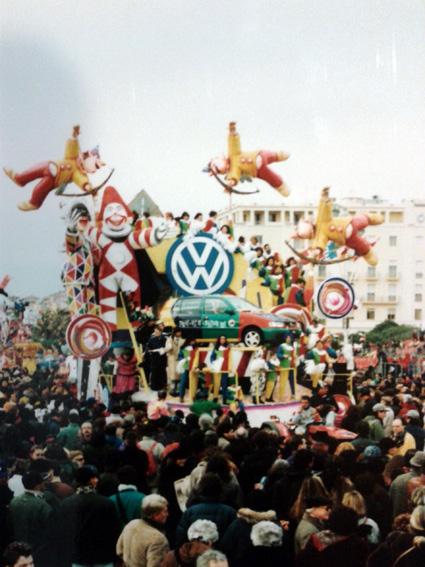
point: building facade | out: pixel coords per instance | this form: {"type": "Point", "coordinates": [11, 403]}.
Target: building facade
{"type": "Point", "coordinates": [394, 289]}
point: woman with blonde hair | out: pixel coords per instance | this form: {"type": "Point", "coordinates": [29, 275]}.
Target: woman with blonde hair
{"type": "Point", "coordinates": [354, 500]}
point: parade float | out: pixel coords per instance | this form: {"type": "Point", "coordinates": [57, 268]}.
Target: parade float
{"type": "Point", "coordinates": [124, 269]}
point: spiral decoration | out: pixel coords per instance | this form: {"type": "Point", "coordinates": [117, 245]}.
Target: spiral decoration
{"type": "Point", "coordinates": [88, 336]}
{"type": "Point", "coordinates": [335, 298]}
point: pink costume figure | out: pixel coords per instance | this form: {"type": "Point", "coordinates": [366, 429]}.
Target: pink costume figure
{"type": "Point", "coordinates": [239, 165]}
{"type": "Point", "coordinates": [117, 240]}
{"type": "Point", "coordinates": [74, 167]}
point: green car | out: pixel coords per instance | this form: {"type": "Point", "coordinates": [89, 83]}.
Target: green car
{"type": "Point", "coordinates": [212, 316]}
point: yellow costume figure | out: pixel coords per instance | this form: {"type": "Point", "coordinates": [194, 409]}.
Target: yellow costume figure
{"type": "Point", "coordinates": [344, 231]}
{"type": "Point", "coordinates": [239, 165]}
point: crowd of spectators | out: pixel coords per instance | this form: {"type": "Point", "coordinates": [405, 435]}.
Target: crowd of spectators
{"type": "Point", "coordinates": [138, 484]}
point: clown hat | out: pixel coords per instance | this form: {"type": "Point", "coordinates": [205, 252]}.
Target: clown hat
{"type": "Point", "coordinates": [111, 195]}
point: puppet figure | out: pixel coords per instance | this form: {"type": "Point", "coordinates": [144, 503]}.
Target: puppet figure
{"type": "Point", "coordinates": [73, 167]}
{"type": "Point", "coordinates": [117, 240]}
{"type": "Point", "coordinates": [243, 166]}
{"type": "Point", "coordinates": [343, 231]}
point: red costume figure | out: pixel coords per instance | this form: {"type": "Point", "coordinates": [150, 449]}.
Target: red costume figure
{"type": "Point", "coordinates": [74, 167]}
{"type": "Point", "coordinates": [117, 240]}
{"type": "Point", "coordinates": [125, 380]}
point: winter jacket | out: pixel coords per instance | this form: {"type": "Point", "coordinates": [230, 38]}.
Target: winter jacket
{"type": "Point", "coordinates": [326, 548]}
{"type": "Point", "coordinates": [237, 538]}
{"type": "Point", "coordinates": [221, 514]}
{"type": "Point", "coordinates": [305, 529]}
{"type": "Point", "coordinates": [128, 503]}
{"type": "Point", "coordinates": [141, 544]}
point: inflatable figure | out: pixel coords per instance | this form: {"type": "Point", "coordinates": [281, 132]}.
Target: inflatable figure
{"type": "Point", "coordinates": [243, 166]}
{"type": "Point", "coordinates": [73, 167]}
{"type": "Point", "coordinates": [116, 239]}
{"type": "Point", "coordinates": [343, 231]}
{"type": "Point", "coordinates": [3, 284]}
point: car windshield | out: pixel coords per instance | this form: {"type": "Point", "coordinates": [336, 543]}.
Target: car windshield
{"type": "Point", "coordinates": [242, 305]}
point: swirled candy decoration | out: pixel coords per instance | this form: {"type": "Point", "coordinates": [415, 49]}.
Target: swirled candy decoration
{"type": "Point", "coordinates": [335, 298]}
{"type": "Point", "coordinates": [88, 336]}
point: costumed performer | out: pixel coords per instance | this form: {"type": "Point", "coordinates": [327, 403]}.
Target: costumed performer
{"type": "Point", "coordinates": [220, 364]}
{"type": "Point", "coordinates": [285, 355]}
{"type": "Point", "coordinates": [273, 364]}
{"type": "Point", "coordinates": [173, 345]}
{"type": "Point", "coordinates": [186, 357]}
{"type": "Point", "coordinates": [157, 358]}
{"type": "Point", "coordinates": [315, 363]}
{"type": "Point", "coordinates": [126, 373]}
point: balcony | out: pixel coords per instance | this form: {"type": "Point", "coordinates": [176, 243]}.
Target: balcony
{"type": "Point", "coordinates": [380, 300]}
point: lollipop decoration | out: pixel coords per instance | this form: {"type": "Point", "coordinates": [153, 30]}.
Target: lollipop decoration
{"type": "Point", "coordinates": [88, 336]}
{"type": "Point", "coordinates": [335, 298]}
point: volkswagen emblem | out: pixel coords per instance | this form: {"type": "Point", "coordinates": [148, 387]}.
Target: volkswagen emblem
{"type": "Point", "coordinates": [199, 266]}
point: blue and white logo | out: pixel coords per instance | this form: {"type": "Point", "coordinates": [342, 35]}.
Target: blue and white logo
{"type": "Point", "coordinates": [199, 266]}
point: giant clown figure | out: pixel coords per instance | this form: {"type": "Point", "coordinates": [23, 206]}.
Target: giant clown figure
{"type": "Point", "coordinates": [117, 239]}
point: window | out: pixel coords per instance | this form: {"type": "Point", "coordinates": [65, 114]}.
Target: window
{"type": "Point", "coordinates": [215, 305]}
{"type": "Point", "coordinates": [418, 314]}
{"type": "Point", "coordinates": [393, 240]}
{"type": "Point", "coordinates": [246, 216]}
{"type": "Point", "coordinates": [274, 216]}
{"type": "Point", "coordinates": [287, 217]}
{"type": "Point", "coordinates": [396, 216]}
{"type": "Point", "coordinates": [188, 307]}
{"type": "Point", "coordinates": [391, 315]}
{"type": "Point", "coordinates": [258, 217]}
{"type": "Point", "coordinates": [298, 215]}
{"type": "Point", "coordinates": [419, 275]}
{"type": "Point", "coordinates": [370, 293]}
{"type": "Point", "coordinates": [370, 314]}
{"type": "Point", "coordinates": [322, 271]}
{"type": "Point", "coordinates": [392, 292]}
{"type": "Point", "coordinates": [371, 272]}
{"type": "Point", "coordinates": [418, 297]}
{"type": "Point", "coordinates": [392, 271]}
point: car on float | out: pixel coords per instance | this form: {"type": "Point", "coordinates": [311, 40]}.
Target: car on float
{"type": "Point", "coordinates": [212, 316]}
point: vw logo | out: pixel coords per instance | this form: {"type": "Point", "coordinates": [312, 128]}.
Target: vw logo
{"type": "Point", "coordinates": [199, 266]}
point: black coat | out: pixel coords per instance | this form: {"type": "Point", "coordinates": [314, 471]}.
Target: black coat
{"type": "Point", "coordinates": [90, 529]}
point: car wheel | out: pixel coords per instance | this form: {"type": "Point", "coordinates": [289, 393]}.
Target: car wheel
{"type": "Point", "coordinates": [252, 337]}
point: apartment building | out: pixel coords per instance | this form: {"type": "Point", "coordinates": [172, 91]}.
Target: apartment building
{"type": "Point", "coordinates": [394, 289]}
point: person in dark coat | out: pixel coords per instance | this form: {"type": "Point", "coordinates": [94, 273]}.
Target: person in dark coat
{"type": "Point", "coordinates": [157, 359]}
{"type": "Point", "coordinates": [90, 525]}
{"type": "Point", "coordinates": [237, 538]}
{"type": "Point", "coordinates": [32, 517]}
{"type": "Point", "coordinates": [208, 506]}
{"type": "Point", "coordinates": [268, 546]}
{"type": "Point", "coordinates": [131, 455]}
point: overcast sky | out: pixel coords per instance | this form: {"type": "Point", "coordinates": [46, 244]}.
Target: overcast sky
{"type": "Point", "coordinates": [340, 84]}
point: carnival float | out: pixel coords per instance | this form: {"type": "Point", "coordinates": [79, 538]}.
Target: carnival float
{"type": "Point", "coordinates": [126, 270]}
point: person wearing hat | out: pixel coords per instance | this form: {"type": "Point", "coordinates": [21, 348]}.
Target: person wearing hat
{"type": "Point", "coordinates": [201, 535]}
{"type": "Point", "coordinates": [419, 480]}
{"type": "Point", "coordinates": [315, 516]}
{"type": "Point", "coordinates": [413, 426]}
{"type": "Point", "coordinates": [376, 422]}
{"type": "Point", "coordinates": [403, 439]}
{"type": "Point", "coordinates": [89, 524]}
{"type": "Point", "coordinates": [399, 487]}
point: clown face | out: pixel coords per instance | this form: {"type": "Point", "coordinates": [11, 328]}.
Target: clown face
{"type": "Point", "coordinates": [220, 164]}
{"type": "Point", "coordinates": [90, 161]}
{"type": "Point", "coordinates": [305, 229]}
{"type": "Point", "coordinates": [116, 222]}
